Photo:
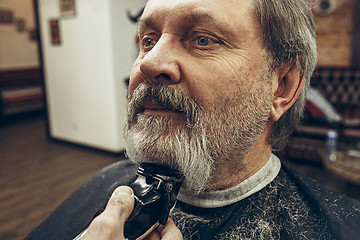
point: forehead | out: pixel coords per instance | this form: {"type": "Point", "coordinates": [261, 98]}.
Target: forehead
{"type": "Point", "coordinates": [229, 14]}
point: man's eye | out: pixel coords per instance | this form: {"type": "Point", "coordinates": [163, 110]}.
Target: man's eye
{"type": "Point", "coordinates": [149, 42]}
{"type": "Point", "coordinates": [203, 41]}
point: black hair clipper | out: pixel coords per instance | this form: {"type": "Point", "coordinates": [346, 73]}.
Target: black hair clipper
{"type": "Point", "coordinates": [155, 188]}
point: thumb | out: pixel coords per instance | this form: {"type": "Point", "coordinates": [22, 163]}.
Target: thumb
{"type": "Point", "coordinates": [110, 223]}
{"type": "Point", "coordinates": [120, 204]}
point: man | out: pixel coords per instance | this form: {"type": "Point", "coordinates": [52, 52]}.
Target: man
{"type": "Point", "coordinates": [216, 87]}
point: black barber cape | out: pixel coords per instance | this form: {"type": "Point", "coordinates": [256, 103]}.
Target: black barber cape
{"type": "Point", "coordinates": [292, 206]}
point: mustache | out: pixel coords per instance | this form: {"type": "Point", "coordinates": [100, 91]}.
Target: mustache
{"type": "Point", "coordinates": [166, 96]}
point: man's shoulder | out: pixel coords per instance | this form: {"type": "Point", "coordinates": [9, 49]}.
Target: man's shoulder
{"type": "Point", "coordinates": [338, 213]}
{"type": "Point", "coordinates": [311, 188]}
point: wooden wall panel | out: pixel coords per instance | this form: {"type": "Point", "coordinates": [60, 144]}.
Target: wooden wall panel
{"type": "Point", "coordinates": [356, 39]}
{"type": "Point", "coordinates": [335, 35]}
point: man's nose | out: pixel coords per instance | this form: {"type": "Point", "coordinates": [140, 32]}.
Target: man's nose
{"type": "Point", "coordinates": [161, 63]}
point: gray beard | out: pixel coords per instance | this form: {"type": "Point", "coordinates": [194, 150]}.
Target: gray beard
{"type": "Point", "coordinates": [186, 151]}
{"type": "Point", "coordinates": [164, 140]}
{"type": "Point", "coordinates": [200, 143]}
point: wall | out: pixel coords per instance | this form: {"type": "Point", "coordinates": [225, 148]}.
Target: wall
{"type": "Point", "coordinates": [85, 73]}
{"type": "Point", "coordinates": [334, 36]}
{"type": "Point", "coordinates": [17, 50]}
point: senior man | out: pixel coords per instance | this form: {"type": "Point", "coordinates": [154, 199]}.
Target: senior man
{"type": "Point", "coordinates": [216, 87]}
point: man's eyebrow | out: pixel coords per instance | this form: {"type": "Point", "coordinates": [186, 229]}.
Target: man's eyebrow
{"type": "Point", "coordinates": [188, 19]}
{"type": "Point", "coordinates": [196, 18]}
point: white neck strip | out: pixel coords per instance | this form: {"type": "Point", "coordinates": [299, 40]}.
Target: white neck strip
{"type": "Point", "coordinates": [214, 199]}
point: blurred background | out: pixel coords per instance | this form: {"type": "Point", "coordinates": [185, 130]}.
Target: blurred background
{"type": "Point", "coordinates": [64, 67]}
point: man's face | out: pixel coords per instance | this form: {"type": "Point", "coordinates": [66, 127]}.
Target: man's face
{"type": "Point", "coordinates": [199, 93]}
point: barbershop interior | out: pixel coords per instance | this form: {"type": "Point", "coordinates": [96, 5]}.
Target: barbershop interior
{"type": "Point", "coordinates": [64, 72]}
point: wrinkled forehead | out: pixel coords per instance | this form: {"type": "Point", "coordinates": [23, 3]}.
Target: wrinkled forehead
{"type": "Point", "coordinates": [230, 14]}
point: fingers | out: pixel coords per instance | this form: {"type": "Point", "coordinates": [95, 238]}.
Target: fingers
{"type": "Point", "coordinates": [110, 223]}
{"type": "Point", "coordinates": [170, 231]}
{"type": "Point", "coordinates": [166, 232]}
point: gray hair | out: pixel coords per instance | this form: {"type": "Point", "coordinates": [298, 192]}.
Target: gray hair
{"type": "Point", "coordinates": [288, 33]}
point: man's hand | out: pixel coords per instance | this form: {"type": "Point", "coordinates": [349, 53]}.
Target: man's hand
{"type": "Point", "coordinates": [109, 225]}
{"type": "Point", "coordinates": [167, 232]}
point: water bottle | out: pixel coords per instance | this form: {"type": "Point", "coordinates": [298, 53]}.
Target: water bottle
{"type": "Point", "coordinates": [331, 146]}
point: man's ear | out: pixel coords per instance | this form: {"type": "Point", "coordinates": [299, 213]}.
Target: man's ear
{"type": "Point", "coordinates": [287, 88]}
